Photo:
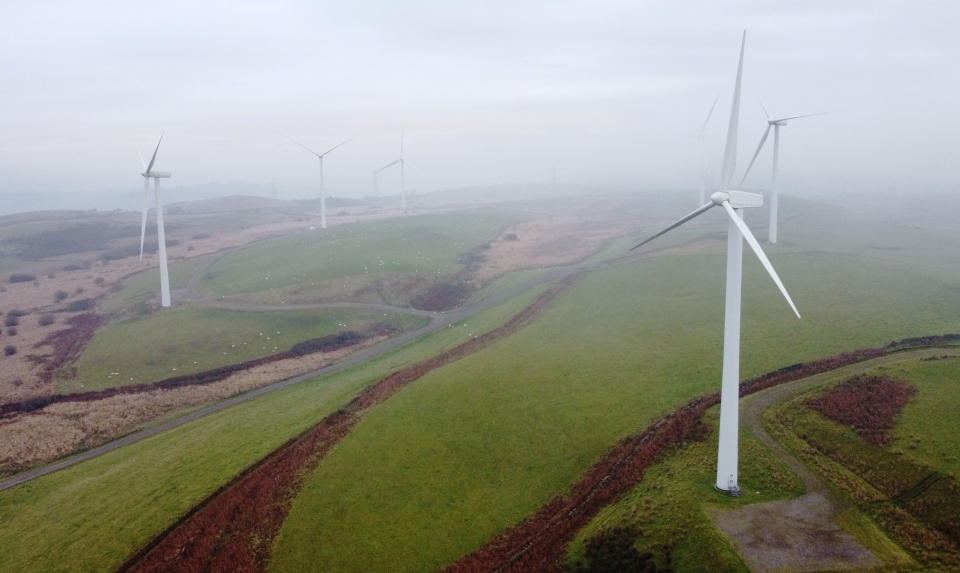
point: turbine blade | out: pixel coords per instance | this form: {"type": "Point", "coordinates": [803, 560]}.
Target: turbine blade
{"type": "Point", "coordinates": [752, 241]}
{"type": "Point", "coordinates": [335, 146]}
{"type": "Point", "coordinates": [799, 116]}
{"type": "Point", "coordinates": [756, 153]}
{"type": "Point", "coordinates": [697, 212]}
{"type": "Point", "coordinates": [391, 164]}
{"type": "Point", "coordinates": [305, 147]}
{"type": "Point", "coordinates": [730, 151]}
{"type": "Point", "coordinates": [154, 158]}
{"type": "Point", "coordinates": [765, 112]}
{"type": "Point", "coordinates": [703, 128]}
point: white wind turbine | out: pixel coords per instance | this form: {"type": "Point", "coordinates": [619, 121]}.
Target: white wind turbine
{"type": "Point", "coordinates": [403, 185]}
{"type": "Point", "coordinates": [149, 174]}
{"type": "Point", "coordinates": [732, 202]}
{"type": "Point", "coordinates": [323, 192]}
{"type": "Point", "coordinates": [776, 124]}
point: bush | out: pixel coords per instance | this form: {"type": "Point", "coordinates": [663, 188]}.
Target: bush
{"type": "Point", "coordinates": [79, 290]}
{"type": "Point", "coordinates": [60, 295]}
{"type": "Point", "coordinates": [199, 236]}
{"type": "Point", "coordinates": [18, 312]}
{"type": "Point", "coordinates": [9, 350]}
{"type": "Point", "coordinates": [46, 319]}
{"type": "Point", "coordinates": [11, 332]}
{"type": "Point", "coordinates": [22, 278]}
{"type": "Point", "coordinates": [51, 276]}
{"type": "Point", "coordinates": [80, 305]}
{"type": "Point", "coordinates": [510, 237]}
{"type": "Point", "coordinates": [11, 320]}
{"type": "Point", "coordinates": [99, 281]}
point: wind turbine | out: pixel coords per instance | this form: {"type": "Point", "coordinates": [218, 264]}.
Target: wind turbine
{"type": "Point", "coordinates": [149, 174]}
{"type": "Point", "coordinates": [323, 193]}
{"type": "Point", "coordinates": [732, 202]}
{"type": "Point", "coordinates": [705, 172]}
{"type": "Point", "coordinates": [403, 188]}
{"type": "Point", "coordinates": [776, 124]}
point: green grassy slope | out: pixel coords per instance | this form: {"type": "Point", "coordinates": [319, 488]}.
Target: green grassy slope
{"type": "Point", "coordinates": [91, 516]}
{"type": "Point", "coordinates": [471, 448]}
{"type": "Point", "coordinates": [342, 260]}
{"type": "Point", "coordinates": [927, 429]}
{"type": "Point", "coordinates": [185, 340]}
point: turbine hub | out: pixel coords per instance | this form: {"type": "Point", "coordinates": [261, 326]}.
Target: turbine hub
{"type": "Point", "coordinates": [719, 197]}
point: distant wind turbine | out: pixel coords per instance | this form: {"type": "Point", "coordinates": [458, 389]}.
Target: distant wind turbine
{"type": "Point", "coordinates": [148, 174]}
{"type": "Point", "coordinates": [403, 188]}
{"type": "Point", "coordinates": [323, 192]}
{"type": "Point", "coordinates": [776, 124]}
{"type": "Point", "coordinates": [732, 202]}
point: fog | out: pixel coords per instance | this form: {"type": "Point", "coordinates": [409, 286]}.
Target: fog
{"type": "Point", "coordinates": [604, 94]}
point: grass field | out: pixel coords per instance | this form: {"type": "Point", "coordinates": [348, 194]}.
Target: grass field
{"type": "Point", "coordinates": [140, 288]}
{"type": "Point", "coordinates": [191, 339]}
{"type": "Point", "coordinates": [346, 262]}
{"type": "Point", "coordinates": [473, 447]}
{"type": "Point", "coordinates": [91, 516]}
{"type": "Point", "coordinates": [478, 445]}
{"type": "Point", "coordinates": [927, 429]}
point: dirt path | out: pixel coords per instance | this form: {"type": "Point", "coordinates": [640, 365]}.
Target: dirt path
{"type": "Point", "coordinates": [234, 529]}
{"type": "Point", "coordinates": [795, 534]}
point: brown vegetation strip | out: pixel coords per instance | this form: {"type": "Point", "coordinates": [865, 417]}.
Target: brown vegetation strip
{"type": "Point", "coordinates": [537, 543]}
{"type": "Point", "coordinates": [67, 343]}
{"type": "Point", "coordinates": [868, 404]}
{"type": "Point", "coordinates": [234, 528]}
{"type": "Point", "coordinates": [323, 344]}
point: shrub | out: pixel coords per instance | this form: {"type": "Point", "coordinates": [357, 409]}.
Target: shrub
{"type": "Point", "coordinates": [99, 281]}
{"type": "Point", "coordinates": [11, 332]}
{"type": "Point", "coordinates": [80, 305]}
{"type": "Point", "coordinates": [9, 350]}
{"type": "Point", "coordinates": [199, 236]}
{"type": "Point", "coordinates": [60, 295]}
{"type": "Point", "coordinates": [510, 237]}
{"type": "Point", "coordinates": [11, 320]}
{"type": "Point", "coordinates": [18, 312]}
{"type": "Point", "coordinates": [613, 551]}
{"type": "Point", "coordinates": [51, 276]}
{"type": "Point", "coordinates": [73, 267]}
{"type": "Point", "coordinates": [22, 278]}
{"type": "Point", "coordinates": [46, 319]}
{"type": "Point", "coordinates": [79, 290]}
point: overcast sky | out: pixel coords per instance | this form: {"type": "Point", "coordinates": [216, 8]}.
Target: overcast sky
{"type": "Point", "coordinates": [488, 92]}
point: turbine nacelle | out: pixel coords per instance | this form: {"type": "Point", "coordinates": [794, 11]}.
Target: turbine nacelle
{"type": "Point", "coordinates": [738, 199]}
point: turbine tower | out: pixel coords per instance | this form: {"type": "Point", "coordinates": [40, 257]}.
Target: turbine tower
{"type": "Point", "coordinates": [149, 174]}
{"type": "Point", "coordinates": [732, 202]}
{"type": "Point", "coordinates": [323, 192]}
{"type": "Point", "coordinates": [776, 124]}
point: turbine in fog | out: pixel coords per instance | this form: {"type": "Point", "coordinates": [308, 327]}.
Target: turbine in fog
{"type": "Point", "coordinates": [323, 192]}
{"type": "Point", "coordinates": [732, 202]}
{"type": "Point", "coordinates": [403, 188]}
{"type": "Point", "coordinates": [148, 174]}
{"type": "Point", "coordinates": [776, 124]}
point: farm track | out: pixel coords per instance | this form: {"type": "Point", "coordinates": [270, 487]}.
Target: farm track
{"type": "Point", "coordinates": [538, 542]}
{"type": "Point", "coordinates": [235, 527]}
